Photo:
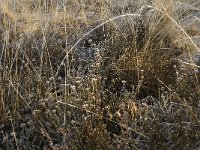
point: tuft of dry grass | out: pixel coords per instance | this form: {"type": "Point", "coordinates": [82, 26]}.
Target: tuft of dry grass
{"type": "Point", "coordinates": [99, 75]}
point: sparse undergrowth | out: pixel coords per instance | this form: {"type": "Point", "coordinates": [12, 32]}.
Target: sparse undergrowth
{"type": "Point", "coordinates": [96, 75]}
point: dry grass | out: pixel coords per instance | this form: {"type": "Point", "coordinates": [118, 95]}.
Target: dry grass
{"type": "Point", "coordinates": [93, 75]}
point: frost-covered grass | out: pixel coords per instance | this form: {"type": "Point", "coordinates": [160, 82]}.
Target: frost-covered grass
{"type": "Point", "coordinates": [98, 75]}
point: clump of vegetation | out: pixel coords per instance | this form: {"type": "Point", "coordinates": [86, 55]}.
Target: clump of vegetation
{"type": "Point", "coordinates": [97, 75]}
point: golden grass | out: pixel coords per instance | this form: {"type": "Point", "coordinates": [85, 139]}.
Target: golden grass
{"type": "Point", "coordinates": [88, 75]}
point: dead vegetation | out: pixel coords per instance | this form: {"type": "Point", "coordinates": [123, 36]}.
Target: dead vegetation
{"type": "Point", "coordinates": [88, 75]}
